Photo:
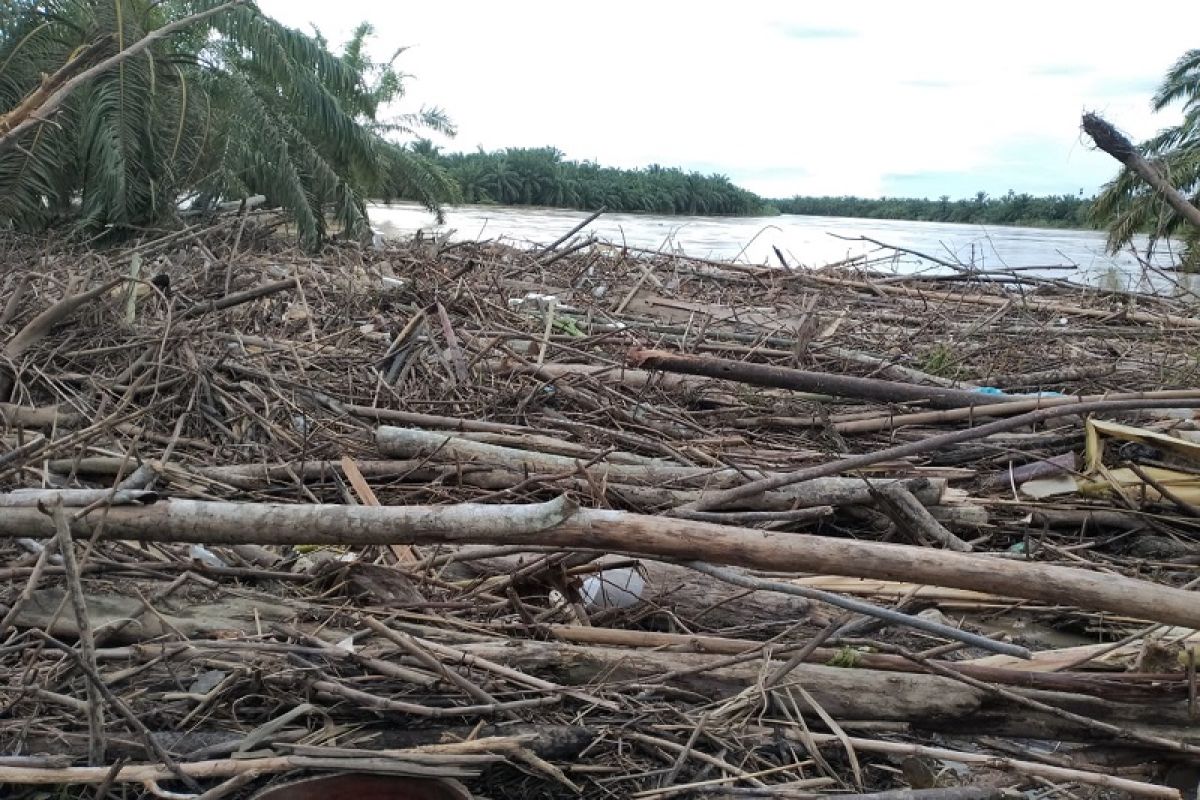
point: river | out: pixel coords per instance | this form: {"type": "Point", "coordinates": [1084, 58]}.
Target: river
{"type": "Point", "coordinates": [1074, 255]}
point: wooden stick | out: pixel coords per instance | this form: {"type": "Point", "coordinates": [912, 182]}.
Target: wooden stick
{"type": "Point", "coordinates": [87, 641]}
{"type": "Point", "coordinates": [403, 553]}
{"type": "Point", "coordinates": [455, 756]}
{"type": "Point", "coordinates": [237, 298]}
{"type": "Point", "coordinates": [559, 523]}
{"type": "Point", "coordinates": [173, 768]}
{"type": "Point", "coordinates": [591, 218]}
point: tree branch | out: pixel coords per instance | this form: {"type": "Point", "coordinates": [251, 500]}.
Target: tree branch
{"type": "Point", "coordinates": [32, 113]}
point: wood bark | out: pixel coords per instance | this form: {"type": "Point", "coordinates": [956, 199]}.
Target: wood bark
{"type": "Point", "coordinates": [561, 524]}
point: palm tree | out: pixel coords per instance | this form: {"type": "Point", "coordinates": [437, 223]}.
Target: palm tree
{"type": "Point", "coordinates": [237, 105]}
{"type": "Point", "coordinates": [1127, 205]}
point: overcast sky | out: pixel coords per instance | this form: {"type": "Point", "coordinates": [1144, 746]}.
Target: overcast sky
{"type": "Point", "coordinates": [865, 98]}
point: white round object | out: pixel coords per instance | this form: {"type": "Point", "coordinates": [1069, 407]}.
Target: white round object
{"type": "Point", "coordinates": [613, 588]}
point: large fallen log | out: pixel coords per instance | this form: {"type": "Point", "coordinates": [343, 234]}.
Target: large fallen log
{"type": "Point", "coordinates": [1129, 687]}
{"type": "Point", "coordinates": [560, 523]}
{"type": "Point", "coordinates": [443, 448]}
{"type": "Point", "coordinates": [927, 702]}
{"type": "Point", "coordinates": [815, 382]}
{"type": "Point", "coordinates": [441, 468]}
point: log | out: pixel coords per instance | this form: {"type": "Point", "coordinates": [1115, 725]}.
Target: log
{"type": "Point", "coordinates": [410, 443]}
{"type": "Point", "coordinates": [833, 491]}
{"type": "Point", "coordinates": [16, 416]}
{"type": "Point", "coordinates": [623, 376]}
{"type": "Point", "coordinates": [1016, 406]}
{"type": "Point", "coordinates": [1120, 686]}
{"type": "Point", "coordinates": [813, 382]}
{"type": "Point", "coordinates": [975, 297]}
{"type": "Point", "coordinates": [454, 449]}
{"type": "Point", "coordinates": [847, 694]}
{"type": "Point", "coordinates": [927, 702]}
{"type": "Point", "coordinates": [907, 512]}
{"type": "Point", "coordinates": [75, 498]}
{"type": "Point", "coordinates": [561, 524]}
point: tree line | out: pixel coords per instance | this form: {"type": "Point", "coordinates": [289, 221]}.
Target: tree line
{"type": "Point", "coordinates": [1058, 211]}
{"type": "Point", "coordinates": [542, 176]}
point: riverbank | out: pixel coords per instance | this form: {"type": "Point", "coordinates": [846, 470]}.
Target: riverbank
{"type": "Point", "coordinates": [589, 521]}
{"type": "Point", "coordinates": [1078, 256]}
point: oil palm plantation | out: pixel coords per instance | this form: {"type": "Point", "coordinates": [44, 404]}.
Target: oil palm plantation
{"type": "Point", "coordinates": [234, 106]}
{"type": "Point", "coordinates": [1127, 206]}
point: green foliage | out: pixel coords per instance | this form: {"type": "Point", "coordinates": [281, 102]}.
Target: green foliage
{"type": "Point", "coordinates": [1062, 211]}
{"type": "Point", "coordinates": [236, 105]}
{"type": "Point", "coordinates": [543, 177]}
{"type": "Point", "coordinates": [942, 360]}
{"type": "Point", "coordinates": [1127, 206]}
{"type": "Point", "coordinates": [846, 657]}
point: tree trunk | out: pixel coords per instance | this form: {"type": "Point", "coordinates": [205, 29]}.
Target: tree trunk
{"type": "Point", "coordinates": [1111, 141]}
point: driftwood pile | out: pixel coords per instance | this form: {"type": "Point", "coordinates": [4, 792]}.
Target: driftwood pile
{"type": "Point", "coordinates": [581, 521]}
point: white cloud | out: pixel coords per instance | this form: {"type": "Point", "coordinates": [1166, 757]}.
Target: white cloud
{"type": "Point", "coordinates": [784, 97]}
